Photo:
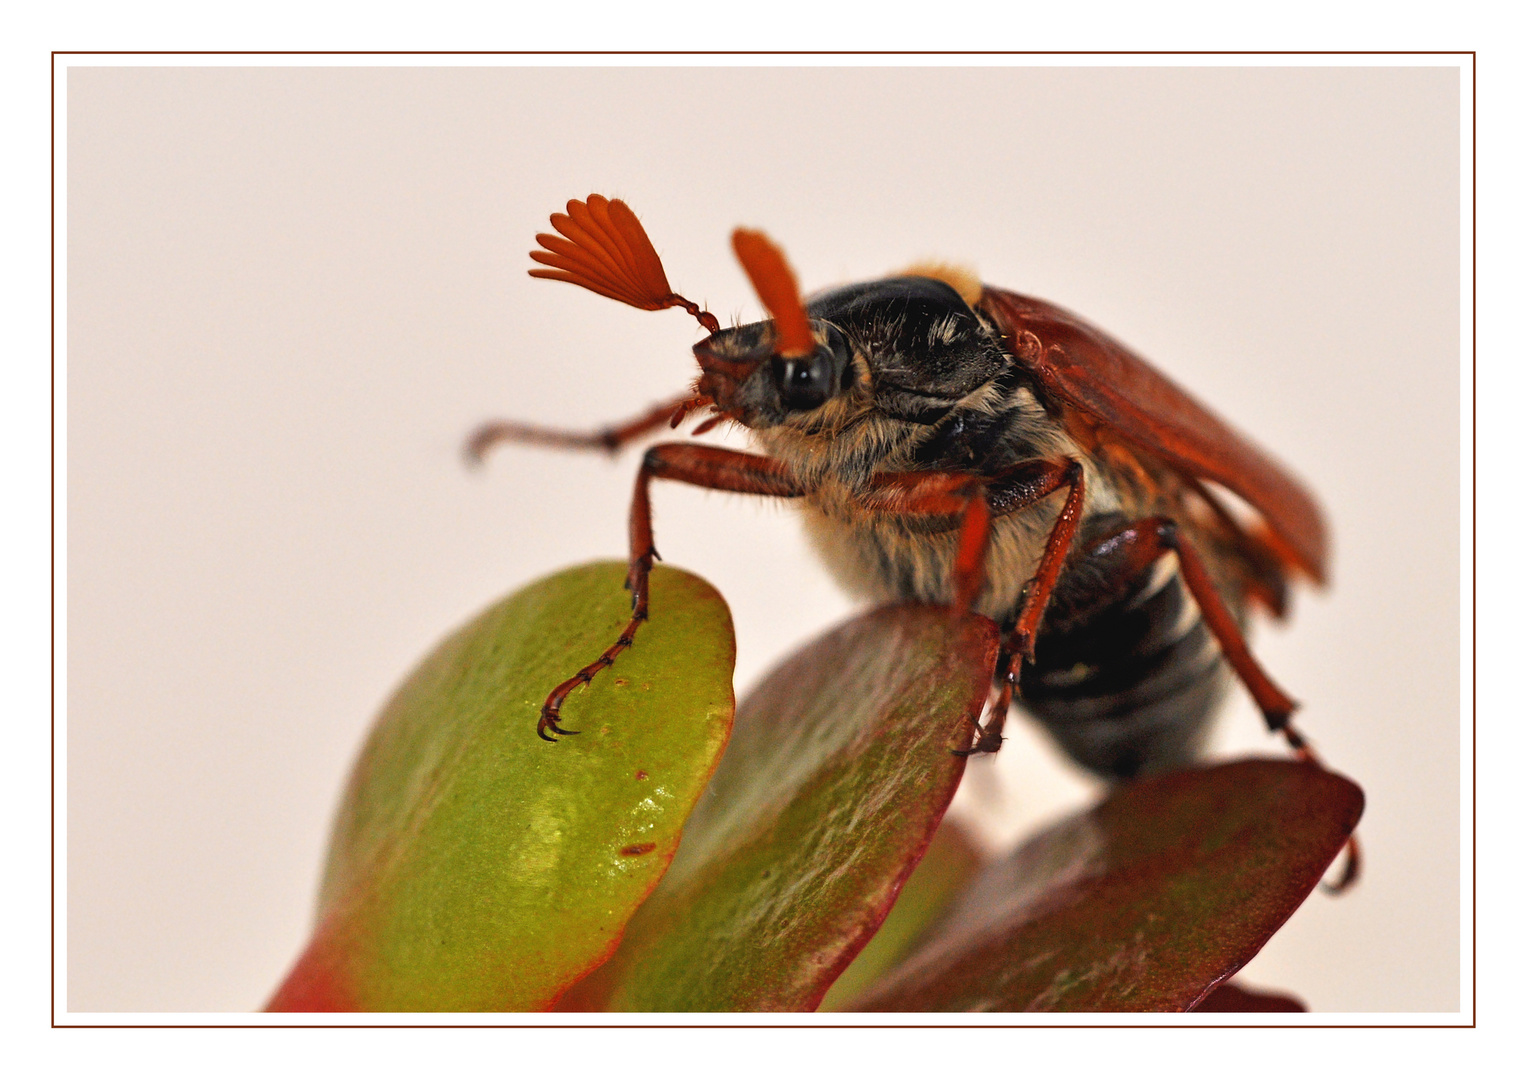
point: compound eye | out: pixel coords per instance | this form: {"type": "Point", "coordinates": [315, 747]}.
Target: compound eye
{"type": "Point", "coordinates": [804, 381]}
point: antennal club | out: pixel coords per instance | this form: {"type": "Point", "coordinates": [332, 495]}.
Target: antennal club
{"type": "Point", "coordinates": [774, 282]}
{"type": "Point", "coordinates": [605, 249]}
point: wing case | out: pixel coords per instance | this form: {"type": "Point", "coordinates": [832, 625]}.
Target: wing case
{"type": "Point", "coordinates": [1084, 368]}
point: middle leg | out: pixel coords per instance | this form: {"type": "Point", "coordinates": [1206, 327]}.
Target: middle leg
{"type": "Point", "coordinates": [1016, 489]}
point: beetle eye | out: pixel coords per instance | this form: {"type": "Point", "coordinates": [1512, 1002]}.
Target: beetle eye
{"type": "Point", "coordinates": [804, 381]}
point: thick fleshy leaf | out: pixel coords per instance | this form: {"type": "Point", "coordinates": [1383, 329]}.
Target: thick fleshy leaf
{"type": "Point", "coordinates": [952, 860]}
{"type": "Point", "coordinates": [1142, 904]}
{"type": "Point", "coordinates": [474, 866]}
{"type": "Point", "coordinates": [840, 769]}
{"type": "Point", "coordinates": [1234, 998]}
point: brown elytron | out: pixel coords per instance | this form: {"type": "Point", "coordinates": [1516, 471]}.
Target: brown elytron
{"type": "Point", "coordinates": [1085, 368]}
{"type": "Point", "coordinates": [970, 446]}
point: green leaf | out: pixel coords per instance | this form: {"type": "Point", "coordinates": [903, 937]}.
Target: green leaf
{"type": "Point", "coordinates": [950, 863]}
{"type": "Point", "coordinates": [839, 772]}
{"type": "Point", "coordinates": [1144, 903]}
{"type": "Point", "coordinates": [477, 867]}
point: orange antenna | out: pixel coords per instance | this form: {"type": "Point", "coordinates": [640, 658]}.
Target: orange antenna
{"type": "Point", "coordinates": [774, 282]}
{"type": "Point", "coordinates": [605, 249]}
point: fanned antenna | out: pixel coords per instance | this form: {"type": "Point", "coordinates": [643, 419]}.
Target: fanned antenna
{"type": "Point", "coordinates": [605, 249]}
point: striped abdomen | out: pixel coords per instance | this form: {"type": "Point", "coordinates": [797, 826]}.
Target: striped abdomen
{"type": "Point", "coordinates": [1126, 680]}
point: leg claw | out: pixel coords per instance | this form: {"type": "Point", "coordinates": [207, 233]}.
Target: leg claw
{"type": "Point", "coordinates": [987, 742]}
{"type": "Point", "coordinates": [549, 723]}
{"type": "Point", "coordinates": [1351, 870]}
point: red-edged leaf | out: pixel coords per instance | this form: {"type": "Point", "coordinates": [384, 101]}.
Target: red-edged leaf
{"type": "Point", "coordinates": [953, 859]}
{"type": "Point", "coordinates": [475, 867]}
{"type": "Point", "coordinates": [839, 771]}
{"type": "Point", "coordinates": [1144, 903]}
{"type": "Point", "coordinates": [1234, 998]}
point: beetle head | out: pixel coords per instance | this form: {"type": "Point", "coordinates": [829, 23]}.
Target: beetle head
{"type": "Point", "coordinates": [911, 346]}
{"type": "Point", "coordinates": [751, 379]}
{"type": "Point", "coordinates": [767, 372]}
{"type": "Point", "coordinates": [913, 337]}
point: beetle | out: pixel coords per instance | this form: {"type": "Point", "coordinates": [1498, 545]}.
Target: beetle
{"type": "Point", "coordinates": [954, 443]}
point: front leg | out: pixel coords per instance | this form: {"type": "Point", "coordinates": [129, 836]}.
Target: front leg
{"type": "Point", "coordinates": [704, 466]}
{"type": "Point", "coordinates": [609, 439]}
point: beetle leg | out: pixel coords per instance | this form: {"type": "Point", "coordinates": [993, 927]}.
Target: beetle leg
{"type": "Point", "coordinates": [970, 558]}
{"type": "Point", "coordinates": [1018, 643]}
{"type": "Point", "coordinates": [976, 499]}
{"type": "Point", "coordinates": [1145, 542]}
{"type": "Point", "coordinates": [704, 466]}
{"type": "Point", "coordinates": [1057, 547]}
{"type": "Point", "coordinates": [943, 494]}
{"type": "Point", "coordinates": [610, 439]}
{"type": "Point", "coordinates": [1350, 871]}
{"type": "Point", "coordinates": [989, 734]}
{"type": "Point", "coordinates": [1008, 492]}
{"type": "Point", "coordinates": [1269, 582]}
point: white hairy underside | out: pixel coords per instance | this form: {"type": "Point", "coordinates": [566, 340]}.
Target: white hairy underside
{"type": "Point", "coordinates": [888, 557]}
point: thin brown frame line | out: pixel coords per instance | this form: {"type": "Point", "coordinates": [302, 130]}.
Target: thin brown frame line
{"type": "Point", "coordinates": [763, 52]}
{"type": "Point", "coordinates": [1474, 521]}
{"type": "Point", "coordinates": [53, 539]}
{"type": "Point", "coordinates": [792, 1027]}
{"type": "Point", "coordinates": [1474, 451]}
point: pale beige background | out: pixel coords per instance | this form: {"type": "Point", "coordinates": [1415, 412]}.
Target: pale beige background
{"type": "Point", "coordinates": [291, 292]}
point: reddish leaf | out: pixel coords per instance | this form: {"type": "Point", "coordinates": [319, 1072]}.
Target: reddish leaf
{"type": "Point", "coordinates": [951, 862]}
{"type": "Point", "coordinates": [1142, 904]}
{"type": "Point", "coordinates": [1234, 998]}
{"type": "Point", "coordinates": [838, 773]}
